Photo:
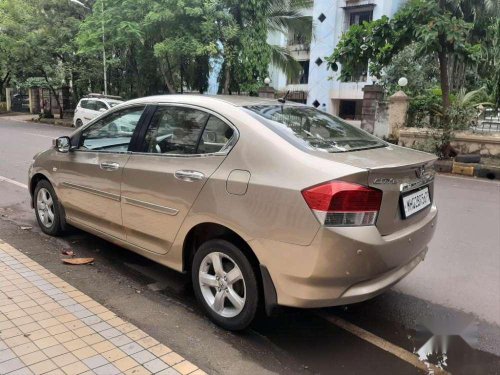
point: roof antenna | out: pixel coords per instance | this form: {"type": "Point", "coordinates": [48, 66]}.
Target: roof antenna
{"type": "Point", "coordinates": [283, 99]}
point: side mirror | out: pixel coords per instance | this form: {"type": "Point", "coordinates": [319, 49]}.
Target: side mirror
{"type": "Point", "coordinates": [63, 144]}
{"type": "Point", "coordinates": [102, 110]}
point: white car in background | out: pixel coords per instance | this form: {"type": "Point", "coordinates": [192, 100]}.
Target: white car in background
{"type": "Point", "coordinates": [92, 106]}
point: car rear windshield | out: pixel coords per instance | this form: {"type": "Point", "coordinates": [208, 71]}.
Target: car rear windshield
{"type": "Point", "coordinates": [314, 129]}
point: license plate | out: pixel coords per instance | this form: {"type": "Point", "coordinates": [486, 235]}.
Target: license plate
{"type": "Point", "coordinates": [415, 202]}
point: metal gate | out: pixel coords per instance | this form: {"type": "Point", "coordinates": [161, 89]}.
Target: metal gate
{"type": "Point", "coordinates": [19, 101]}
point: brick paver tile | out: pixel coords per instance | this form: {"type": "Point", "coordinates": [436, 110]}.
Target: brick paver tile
{"type": "Point", "coordinates": [32, 358]}
{"type": "Point", "coordinates": [160, 350]}
{"type": "Point", "coordinates": [75, 368]}
{"type": "Point", "coordinates": [12, 365]}
{"type": "Point", "coordinates": [23, 349]}
{"type": "Point", "coordinates": [103, 346]}
{"type": "Point", "coordinates": [185, 367]}
{"type": "Point", "coordinates": [55, 350]}
{"type": "Point", "coordinates": [156, 365]}
{"type": "Point", "coordinates": [22, 371]}
{"type": "Point", "coordinates": [172, 358]}
{"type": "Point", "coordinates": [108, 369]}
{"type": "Point", "coordinates": [43, 367]}
{"type": "Point", "coordinates": [64, 359]}
{"type": "Point", "coordinates": [131, 348]}
{"type": "Point", "coordinates": [199, 372]}
{"type": "Point", "coordinates": [93, 339]}
{"type": "Point", "coordinates": [85, 352]}
{"type": "Point", "coordinates": [46, 342]}
{"type": "Point", "coordinates": [143, 356]}
{"type": "Point", "coordinates": [114, 355]}
{"type": "Point", "coordinates": [95, 361]}
{"type": "Point", "coordinates": [17, 340]}
{"type": "Point", "coordinates": [168, 371]}
{"type": "Point", "coordinates": [138, 371]}
{"type": "Point", "coordinates": [6, 355]}
{"type": "Point", "coordinates": [148, 342]}
{"type": "Point", "coordinates": [125, 364]}
{"type": "Point", "coordinates": [75, 344]}
{"type": "Point", "coordinates": [10, 332]}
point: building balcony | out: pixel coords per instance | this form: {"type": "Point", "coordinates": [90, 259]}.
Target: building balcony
{"type": "Point", "coordinates": [299, 51]}
{"type": "Point", "coordinates": [347, 90]}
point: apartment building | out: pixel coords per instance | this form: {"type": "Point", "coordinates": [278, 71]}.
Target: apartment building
{"type": "Point", "coordinates": [319, 85]}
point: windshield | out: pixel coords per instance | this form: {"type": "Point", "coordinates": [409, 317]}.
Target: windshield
{"type": "Point", "coordinates": [314, 129]}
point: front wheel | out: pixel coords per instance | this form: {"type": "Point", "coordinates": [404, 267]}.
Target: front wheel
{"type": "Point", "coordinates": [47, 210]}
{"type": "Point", "coordinates": [225, 284]}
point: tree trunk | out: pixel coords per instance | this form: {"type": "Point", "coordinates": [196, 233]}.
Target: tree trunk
{"type": "Point", "coordinates": [56, 96]}
{"type": "Point", "coordinates": [227, 78]}
{"type": "Point", "coordinates": [181, 67]}
{"type": "Point", "coordinates": [445, 81]}
{"type": "Point", "coordinates": [443, 67]}
{"type": "Point", "coordinates": [169, 81]}
{"type": "Point", "coordinates": [3, 83]}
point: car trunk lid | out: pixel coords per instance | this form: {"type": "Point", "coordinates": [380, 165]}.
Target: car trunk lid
{"type": "Point", "coordinates": [395, 171]}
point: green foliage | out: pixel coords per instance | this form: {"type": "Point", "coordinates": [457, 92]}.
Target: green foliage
{"type": "Point", "coordinates": [421, 71]}
{"type": "Point", "coordinates": [151, 46]}
{"type": "Point", "coordinates": [420, 22]}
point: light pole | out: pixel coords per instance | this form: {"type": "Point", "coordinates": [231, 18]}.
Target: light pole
{"type": "Point", "coordinates": [104, 68]}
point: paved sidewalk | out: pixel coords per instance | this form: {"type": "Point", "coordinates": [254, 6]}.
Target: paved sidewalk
{"type": "Point", "coordinates": [49, 327]}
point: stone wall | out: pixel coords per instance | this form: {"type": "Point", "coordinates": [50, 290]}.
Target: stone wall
{"type": "Point", "coordinates": [464, 142]}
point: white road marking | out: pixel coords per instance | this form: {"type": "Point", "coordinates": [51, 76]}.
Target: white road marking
{"type": "Point", "coordinates": [5, 179]}
{"type": "Point", "coordinates": [466, 178]}
{"type": "Point", "coordinates": [41, 135]}
{"type": "Point", "coordinates": [379, 342]}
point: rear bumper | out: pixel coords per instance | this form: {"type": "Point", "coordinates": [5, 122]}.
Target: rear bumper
{"type": "Point", "coordinates": [344, 265]}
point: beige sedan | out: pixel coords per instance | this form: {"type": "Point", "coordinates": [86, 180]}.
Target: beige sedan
{"type": "Point", "coordinates": [263, 203]}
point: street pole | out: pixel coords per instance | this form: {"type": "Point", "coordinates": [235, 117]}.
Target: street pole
{"type": "Point", "coordinates": [104, 51]}
{"type": "Point", "coordinates": [105, 78]}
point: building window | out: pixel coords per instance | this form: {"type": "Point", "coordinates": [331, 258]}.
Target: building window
{"type": "Point", "coordinates": [350, 109]}
{"type": "Point", "coordinates": [303, 77]}
{"type": "Point", "coordinates": [301, 37]}
{"type": "Point", "coordinates": [357, 18]}
{"type": "Point", "coordinates": [359, 74]}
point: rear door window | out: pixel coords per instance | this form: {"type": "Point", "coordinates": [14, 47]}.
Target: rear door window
{"type": "Point", "coordinates": [175, 130]}
{"type": "Point", "coordinates": [314, 129]}
{"type": "Point", "coordinates": [215, 136]}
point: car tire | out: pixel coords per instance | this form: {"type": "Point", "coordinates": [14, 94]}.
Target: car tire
{"type": "Point", "coordinates": [47, 209]}
{"type": "Point", "coordinates": [79, 123]}
{"type": "Point", "coordinates": [240, 297]}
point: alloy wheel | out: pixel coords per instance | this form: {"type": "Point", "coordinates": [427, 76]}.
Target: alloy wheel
{"type": "Point", "coordinates": [222, 284]}
{"type": "Point", "coordinates": [45, 207]}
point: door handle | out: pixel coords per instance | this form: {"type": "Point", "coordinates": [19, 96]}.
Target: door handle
{"type": "Point", "coordinates": [189, 176]}
{"type": "Point", "coordinates": [109, 166]}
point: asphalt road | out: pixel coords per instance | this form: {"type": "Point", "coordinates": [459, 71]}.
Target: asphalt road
{"type": "Point", "coordinates": [457, 284]}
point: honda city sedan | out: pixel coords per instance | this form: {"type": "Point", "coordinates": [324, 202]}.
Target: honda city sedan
{"type": "Point", "coordinates": [263, 203]}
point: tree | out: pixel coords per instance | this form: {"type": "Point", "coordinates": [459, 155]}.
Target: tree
{"type": "Point", "coordinates": [429, 24]}
{"type": "Point", "coordinates": [37, 41]}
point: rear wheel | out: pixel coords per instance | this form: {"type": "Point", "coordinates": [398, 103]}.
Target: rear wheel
{"type": "Point", "coordinates": [225, 284]}
{"type": "Point", "coordinates": [79, 123]}
{"type": "Point", "coordinates": [47, 210]}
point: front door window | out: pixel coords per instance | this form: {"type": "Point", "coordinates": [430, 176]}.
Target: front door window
{"type": "Point", "coordinates": [113, 133]}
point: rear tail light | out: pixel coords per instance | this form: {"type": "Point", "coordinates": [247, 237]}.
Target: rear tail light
{"type": "Point", "coordinates": [338, 203]}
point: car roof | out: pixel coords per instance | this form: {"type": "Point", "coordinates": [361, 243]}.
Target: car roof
{"type": "Point", "coordinates": [236, 100]}
{"type": "Point", "coordinates": [104, 100]}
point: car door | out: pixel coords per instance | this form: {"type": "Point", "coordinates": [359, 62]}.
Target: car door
{"type": "Point", "coordinates": [161, 182]}
{"type": "Point", "coordinates": [90, 175]}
